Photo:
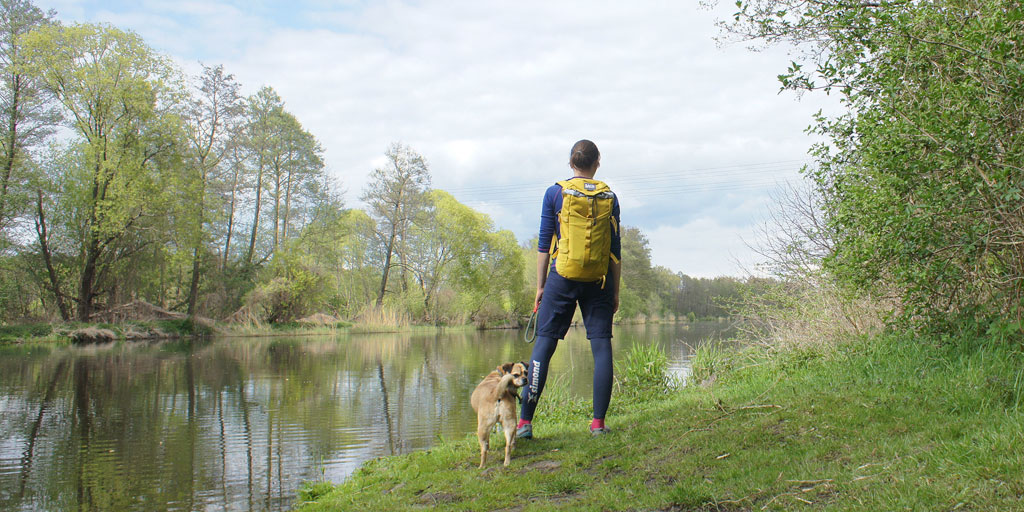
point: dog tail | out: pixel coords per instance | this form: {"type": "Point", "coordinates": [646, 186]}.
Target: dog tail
{"type": "Point", "coordinates": [503, 386]}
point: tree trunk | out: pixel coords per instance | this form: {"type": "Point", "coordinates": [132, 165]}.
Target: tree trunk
{"type": "Point", "coordinates": [88, 281]}
{"type": "Point", "coordinates": [256, 215]}
{"type": "Point", "coordinates": [287, 205]}
{"type": "Point", "coordinates": [12, 148]}
{"type": "Point", "coordinates": [277, 205]}
{"type": "Point", "coordinates": [231, 219]}
{"type": "Point", "coordinates": [387, 267]}
{"type": "Point", "coordinates": [92, 248]}
{"type": "Point", "coordinates": [193, 290]}
{"type": "Point", "coordinates": [44, 248]}
{"type": "Point", "coordinates": [427, 295]}
{"type": "Point", "coordinates": [403, 262]}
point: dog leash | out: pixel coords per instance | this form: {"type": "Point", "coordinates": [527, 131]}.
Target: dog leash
{"type": "Point", "coordinates": [527, 336]}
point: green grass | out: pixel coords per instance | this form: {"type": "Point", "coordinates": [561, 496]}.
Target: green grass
{"type": "Point", "coordinates": [14, 333]}
{"type": "Point", "coordinates": [182, 327]}
{"type": "Point", "coordinates": [890, 423]}
{"type": "Point", "coordinates": [301, 327]}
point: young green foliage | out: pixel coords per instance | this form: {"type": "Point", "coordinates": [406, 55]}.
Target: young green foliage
{"type": "Point", "coordinates": [118, 96]}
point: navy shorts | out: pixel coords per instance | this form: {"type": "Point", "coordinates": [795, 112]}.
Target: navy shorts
{"type": "Point", "coordinates": [558, 304]}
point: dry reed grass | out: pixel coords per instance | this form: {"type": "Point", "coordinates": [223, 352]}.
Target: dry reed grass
{"type": "Point", "coordinates": [790, 315]}
{"type": "Point", "coordinates": [382, 319]}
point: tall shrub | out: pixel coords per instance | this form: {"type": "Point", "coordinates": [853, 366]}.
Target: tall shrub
{"type": "Point", "coordinates": [921, 177]}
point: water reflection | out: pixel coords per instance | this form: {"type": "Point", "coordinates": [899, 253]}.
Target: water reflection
{"type": "Point", "coordinates": [239, 424]}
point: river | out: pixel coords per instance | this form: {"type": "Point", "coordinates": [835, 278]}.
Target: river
{"type": "Point", "coordinates": [241, 423]}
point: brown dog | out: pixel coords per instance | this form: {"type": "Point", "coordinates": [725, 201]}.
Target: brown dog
{"type": "Point", "coordinates": [494, 400]}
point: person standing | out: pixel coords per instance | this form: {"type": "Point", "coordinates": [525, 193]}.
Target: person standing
{"type": "Point", "coordinates": [578, 262]}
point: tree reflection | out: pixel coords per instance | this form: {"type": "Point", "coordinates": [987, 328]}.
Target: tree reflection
{"type": "Point", "coordinates": [29, 454]}
{"type": "Point", "coordinates": [386, 407]}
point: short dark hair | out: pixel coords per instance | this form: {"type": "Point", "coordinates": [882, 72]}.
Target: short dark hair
{"type": "Point", "coordinates": [584, 155]}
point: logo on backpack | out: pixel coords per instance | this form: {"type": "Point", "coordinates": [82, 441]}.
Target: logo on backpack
{"type": "Point", "coordinates": [585, 236]}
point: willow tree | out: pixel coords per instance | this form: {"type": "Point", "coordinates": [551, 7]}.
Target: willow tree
{"type": "Point", "coordinates": [118, 96]}
{"type": "Point", "coordinates": [394, 195]}
{"type": "Point", "coordinates": [449, 236]}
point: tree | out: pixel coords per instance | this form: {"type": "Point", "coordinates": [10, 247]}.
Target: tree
{"type": "Point", "coordinates": [356, 270]}
{"type": "Point", "coordinates": [794, 238]}
{"type": "Point", "coordinates": [667, 285]}
{"type": "Point", "coordinates": [449, 234]}
{"type": "Point", "coordinates": [296, 162]}
{"type": "Point", "coordinates": [26, 117]}
{"type": "Point", "coordinates": [264, 110]}
{"type": "Point", "coordinates": [638, 279]}
{"type": "Point", "coordinates": [49, 188]}
{"type": "Point", "coordinates": [921, 178]}
{"type": "Point", "coordinates": [394, 195]}
{"type": "Point", "coordinates": [118, 96]}
{"type": "Point", "coordinates": [236, 159]}
{"type": "Point", "coordinates": [493, 282]}
{"type": "Point", "coordinates": [210, 117]}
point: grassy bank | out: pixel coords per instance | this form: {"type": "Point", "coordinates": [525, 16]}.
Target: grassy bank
{"type": "Point", "coordinates": [31, 332]}
{"type": "Point", "coordinates": [45, 333]}
{"type": "Point", "coordinates": [884, 424]}
{"type": "Point", "coordinates": [141, 330]}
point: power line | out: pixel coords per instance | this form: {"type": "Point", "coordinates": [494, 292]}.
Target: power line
{"type": "Point", "coordinates": [732, 171]}
{"type": "Point", "coordinates": [530, 197]}
{"type": "Point", "coordinates": [632, 189]}
{"type": "Point", "coordinates": [682, 190]}
{"type": "Point", "coordinates": [631, 183]}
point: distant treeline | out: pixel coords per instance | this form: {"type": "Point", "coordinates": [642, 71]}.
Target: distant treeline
{"type": "Point", "coordinates": [124, 179]}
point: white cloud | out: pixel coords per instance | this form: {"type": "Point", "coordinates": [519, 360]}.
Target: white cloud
{"type": "Point", "coordinates": [703, 248]}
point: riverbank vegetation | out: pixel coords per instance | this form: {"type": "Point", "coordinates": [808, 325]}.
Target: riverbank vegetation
{"type": "Point", "coordinates": [136, 330]}
{"type": "Point", "coordinates": [123, 178]}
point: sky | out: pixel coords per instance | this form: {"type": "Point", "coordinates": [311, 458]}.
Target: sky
{"type": "Point", "coordinates": [694, 135]}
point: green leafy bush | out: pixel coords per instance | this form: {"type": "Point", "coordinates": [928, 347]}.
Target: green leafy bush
{"type": "Point", "coordinates": [921, 174]}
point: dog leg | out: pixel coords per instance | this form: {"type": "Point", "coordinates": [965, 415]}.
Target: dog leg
{"type": "Point", "coordinates": [483, 434]}
{"type": "Point", "coordinates": [509, 425]}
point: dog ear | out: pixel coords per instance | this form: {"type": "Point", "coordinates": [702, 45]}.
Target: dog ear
{"type": "Point", "coordinates": [505, 368]}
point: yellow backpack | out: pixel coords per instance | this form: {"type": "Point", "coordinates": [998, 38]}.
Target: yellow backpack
{"type": "Point", "coordinates": [586, 223]}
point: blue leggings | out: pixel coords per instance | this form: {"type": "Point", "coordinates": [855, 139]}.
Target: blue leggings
{"type": "Point", "coordinates": [543, 349]}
